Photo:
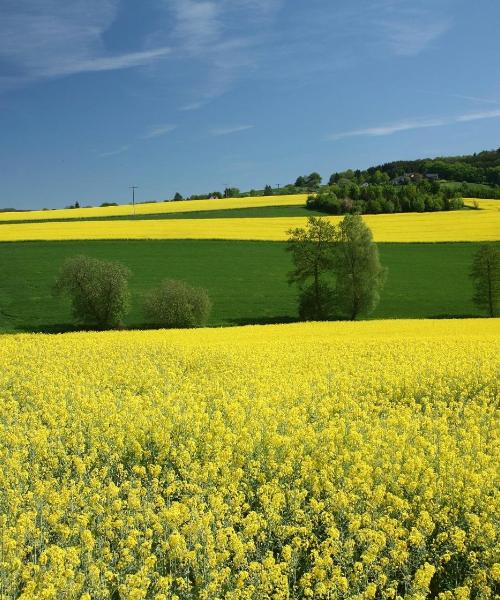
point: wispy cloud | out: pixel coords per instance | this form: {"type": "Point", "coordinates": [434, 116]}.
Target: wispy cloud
{"type": "Point", "coordinates": [119, 150]}
{"type": "Point", "coordinates": [467, 97]}
{"type": "Point", "coordinates": [475, 99]}
{"type": "Point", "coordinates": [229, 130]}
{"type": "Point", "coordinates": [43, 40]}
{"type": "Point", "coordinates": [408, 28]}
{"type": "Point", "coordinates": [410, 124]}
{"type": "Point", "coordinates": [158, 131]}
{"type": "Point", "coordinates": [222, 37]}
{"type": "Point", "coordinates": [408, 36]}
{"type": "Point", "coordinates": [487, 114]}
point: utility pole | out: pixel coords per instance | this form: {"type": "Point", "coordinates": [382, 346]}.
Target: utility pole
{"type": "Point", "coordinates": [133, 188]}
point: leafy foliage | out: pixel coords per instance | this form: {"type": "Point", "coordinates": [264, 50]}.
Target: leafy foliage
{"type": "Point", "coordinates": [359, 277]}
{"type": "Point", "coordinates": [345, 254]}
{"type": "Point", "coordinates": [482, 167]}
{"type": "Point", "coordinates": [98, 290]}
{"type": "Point", "coordinates": [344, 197]}
{"type": "Point", "coordinates": [313, 255]}
{"type": "Point", "coordinates": [177, 304]}
{"type": "Point", "coordinates": [485, 274]}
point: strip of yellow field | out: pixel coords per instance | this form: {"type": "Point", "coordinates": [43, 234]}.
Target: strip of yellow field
{"type": "Point", "coordinates": [482, 204]}
{"type": "Point", "coordinates": [155, 208]}
{"type": "Point", "coordinates": [456, 226]}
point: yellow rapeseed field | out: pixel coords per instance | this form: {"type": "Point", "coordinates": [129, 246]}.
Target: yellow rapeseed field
{"type": "Point", "coordinates": [466, 225]}
{"type": "Point", "coordinates": [155, 208]}
{"type": "Point", "coordinates": [331, 461]}
{"type": "Point", "coordinates": [482, 203]}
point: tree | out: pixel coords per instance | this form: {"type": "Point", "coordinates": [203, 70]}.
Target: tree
{"type": "Point", "coordinates": [178, 197]}
{"type": "Point", "coordinates": [98, 290]}
{"type": "Point", "coordinates": [334, 178]}
{"type": "Point", "coordinates": [359, 275]}
{"type": "Point", "coordinates": [313, 180]}
{"type": "Point", "coordinates": [485, 274]}
{"type": "Point", "coordinates": [231, 192]}
{"type": "Point", "coordinates": [268, 191]}
{"type": "Point", "coordinates": [77, 204]}
{"type": "Point", "coordinates": [177, 304]}
{"type": "Point", "coordinates": [313, 255]}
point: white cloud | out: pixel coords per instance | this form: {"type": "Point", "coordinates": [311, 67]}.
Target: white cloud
{"type": "Point", "coordinates": [54, 38]}
{"type": "Point", "coordinates": [487, 114]}
{"type": "Point", "coordinates": [110, 63]}
{"type": "Point", "coordinates": [410, 36]}
{"type": "Point", "coordinates": [229, 130]}
{"type": "Point", "coordinates": [119, 150]}
{"type": "Point", "coordinates": [158, 131]}
{"type": "Point", "coordinates": [222, 36]}
{"type": "Point", "coordinates": [407, 27]}
{"type": "Point", "coordinates": [197, 24]}
{"type": "Point", "coordinates": [410, 124]}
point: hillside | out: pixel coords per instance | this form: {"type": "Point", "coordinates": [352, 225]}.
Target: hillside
{"type": "Point", "coordinates": [482, 167]}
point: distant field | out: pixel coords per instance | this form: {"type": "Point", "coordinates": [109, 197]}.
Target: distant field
{"type": "Point", "coordinates": [246, 280]}
{"type": "Point", "coordinates": [464, 225]}
{"type": "Point", "coordinates": [155, 208]}
{"type": "Point", "coordinates": [229, 213]}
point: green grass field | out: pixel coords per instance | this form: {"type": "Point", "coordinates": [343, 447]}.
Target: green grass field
{"type": "Point", "coordinates": [246, 280]}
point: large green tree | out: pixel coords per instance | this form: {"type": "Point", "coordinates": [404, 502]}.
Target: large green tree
{"type": "Point", "coordinates": [337, 269]}
{"type": "Point", "coordinates": [359, 276]}
{"type": "Point", "coordinates": [485, 274]}
{"type": "Point", "coordinates": [313, 254]}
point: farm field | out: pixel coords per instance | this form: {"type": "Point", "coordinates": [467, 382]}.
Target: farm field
{"type": "Point", "coordinates": [278, 210]}
{"type": "Point", "coordinates": [226, 463]}
{"type": "Point", "coordinates": [156, 207]}
{"type": "Point", "coordinates": [453, 226]}
{"type": "Point", "coordinates": [291, 205]}
{"type": "Point", "coordinates": [227, 213]}
{"type": "Point", "coordinates": [437, 284]}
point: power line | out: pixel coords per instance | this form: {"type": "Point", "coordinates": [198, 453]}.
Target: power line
{"type": "Point", "coordinates": [133, 188]}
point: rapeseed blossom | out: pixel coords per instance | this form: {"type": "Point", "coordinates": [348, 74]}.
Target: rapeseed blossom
{"type": "Point", "coordinates": [452, 226]}
{"type": "Point", "coordinates": [152, 208]}
{"type": "Point", "coordinates": [340, 460]}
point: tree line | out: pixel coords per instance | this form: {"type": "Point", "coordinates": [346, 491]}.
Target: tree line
{"type": "Point", "coordinates": [340, 198]}
{"type": "Point", "coordinates": [481, 169]}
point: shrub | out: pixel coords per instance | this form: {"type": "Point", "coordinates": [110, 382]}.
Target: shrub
{"type": "Point", "coordinates": [98, 290]}
{"type": "Point", "coordinates": [176, 304]}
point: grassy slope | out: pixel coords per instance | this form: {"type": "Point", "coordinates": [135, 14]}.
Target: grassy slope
{"type": "Point", "coordinates": [246, 280]}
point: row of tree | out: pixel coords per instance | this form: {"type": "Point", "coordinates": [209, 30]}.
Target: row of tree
{"type": "Point", "coordinates": [478, 168]}
{"type": "Point", "coordinates": [339, 275]}
{"type": "Point", "coordinates": [345, 198]}
{"type": "Point", "coordinates": [482, 167]}
{"type": "Point", "coordinates": [100, 296]}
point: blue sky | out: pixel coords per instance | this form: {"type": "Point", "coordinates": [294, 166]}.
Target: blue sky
{"type": "Point", "coordinates": [194, 95]}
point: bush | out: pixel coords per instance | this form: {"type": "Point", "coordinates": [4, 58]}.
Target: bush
{"type": "Point", "coordinates": [176, 304]}
{"type": "Point", "coordinates": [98, 290]}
